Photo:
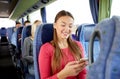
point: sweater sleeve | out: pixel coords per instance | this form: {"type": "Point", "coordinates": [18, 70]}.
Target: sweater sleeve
{"type": "Point", "coordinates": [27, 50]}
{"type": "Point", "coordinates": [44, 60]}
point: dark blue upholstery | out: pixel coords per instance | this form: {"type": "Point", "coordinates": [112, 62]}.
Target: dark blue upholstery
{"type": "Point", "coordinates": [44, 33]}
{"type": "Point", "coordinates": [19, 33]}
{"type": "Point", "coordinates": [106, 65]}
{"type": "Point", "coordinates": [3, 31]}
{"type": "Point", "coordinates": [3, 34]}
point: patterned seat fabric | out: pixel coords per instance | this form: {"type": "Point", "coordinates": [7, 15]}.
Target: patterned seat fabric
{"type": "Point", "coordinates": [84, 33]}
{"type": "Point", "coordinates": [106, 66]}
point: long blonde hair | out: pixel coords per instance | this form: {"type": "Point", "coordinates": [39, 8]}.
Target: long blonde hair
{"type": "Point", "coordinates": [73, 46]}
{"type": "Point", "coordinates": [33, 28]}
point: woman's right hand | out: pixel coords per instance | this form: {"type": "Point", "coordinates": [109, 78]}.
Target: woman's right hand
{"type": "Point", "coordinates": [72, 68]}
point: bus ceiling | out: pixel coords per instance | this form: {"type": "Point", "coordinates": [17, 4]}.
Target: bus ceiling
{"type": "Point", "coordinates": [6, 7]}
{"type": "Point", "coordinates": [16, 9]}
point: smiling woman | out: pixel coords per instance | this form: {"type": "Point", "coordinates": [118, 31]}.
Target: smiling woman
{"type": "Point", "coordinates": [86, 14]}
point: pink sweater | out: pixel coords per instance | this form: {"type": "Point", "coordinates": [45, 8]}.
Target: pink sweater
{"type": "Point", "coordinates": [45, 57]}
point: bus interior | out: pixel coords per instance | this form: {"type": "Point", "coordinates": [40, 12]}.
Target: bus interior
{"type": "Point", "coordinates": [97, 27]}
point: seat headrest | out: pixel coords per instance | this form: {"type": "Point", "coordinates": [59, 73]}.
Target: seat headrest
{"type": "Point", "coordinates": [88, 30]}
{"type": "Point", "coordinates": [3, 39]}
{"type": "Point", "coordinates": [47, 33]}
{"type": "Point", "coordinates": [3, 31]}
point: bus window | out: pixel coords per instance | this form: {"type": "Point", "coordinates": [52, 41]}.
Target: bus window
{"type": "Point", "coordinates": [79, 8]}
{"type": "Point", "coordinates": [35, 16]}
{"type": "Point", "coordinates": [115, 9]}
{"type": "Point", "coordinates": [5, 22]}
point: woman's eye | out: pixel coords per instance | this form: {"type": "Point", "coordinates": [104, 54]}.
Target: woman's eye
{"type": "Point", "coordinates": [63, 25]}
{"type": "Point", "coordinates": [70, 26]}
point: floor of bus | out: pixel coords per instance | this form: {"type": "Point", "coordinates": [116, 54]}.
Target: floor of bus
{"type": "Point", "coordinates": [8, 73]}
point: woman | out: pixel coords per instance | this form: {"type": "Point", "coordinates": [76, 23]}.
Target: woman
{"type": "Point", "coordinates": [59, 59]}
{"type": "Point", "coordinates": [28, 48]}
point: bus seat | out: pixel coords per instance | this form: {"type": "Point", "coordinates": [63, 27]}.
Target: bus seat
{"type": "Point", "coordinates": [10, 31]}
{"type": "Point", "coordinates": [78, 32]}
{"type": "Point", "coordinates": [3, 31]}
{"type": "Point", "coordinates": [73, 36]}
{"type": "Point", "coordinates": [26, 32]}
{"type": "Point", "coordinates": [84, 34]}
{"type": "Point", "coordinates": [4, 39]}
{"type": "Point", "coordinates": [18, 44]}
{"type": "Point", "coordinates": [44, 33]}
{"type": "Point", "coordinates": [3, 35]}
{"type": "Point", "coordinates": [105, 66]}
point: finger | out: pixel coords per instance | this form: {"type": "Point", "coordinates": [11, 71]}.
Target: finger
{"type": "Point", "coordinates": [81, 68]}
{"type": "Point", "coordinates": [72, 62]}
{"type": "Point", "coordinates": [75, 66]}
{"type": "Point", "coordinates": [82, 63]}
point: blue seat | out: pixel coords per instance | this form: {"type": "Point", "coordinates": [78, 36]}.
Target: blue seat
{"type": "Point", "coordinates": [26, 32]}
{"type": "Point", "coordinates": [3, 31]}
{"type": "Point", "coordinates": [44, 33]}
{"type": "Point", "coordinates": [3, 34]}
{"type": "Point", "coordinates": [84, 34]}
{"type": "Point", "coordinates": [18, 44]}
{"type": "Point", "coordinates": [106, 66]}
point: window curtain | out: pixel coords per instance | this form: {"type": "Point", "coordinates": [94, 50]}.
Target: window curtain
{"type": "Point", "coordinates": [104, 9]}
{"type": "Point", "coordinates": [43, 14]}
{"type": "Point", "coordinates": [94, 7]}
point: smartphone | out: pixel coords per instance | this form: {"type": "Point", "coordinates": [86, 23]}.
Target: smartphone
{"type": "Point", "coordinates": [83, 60]}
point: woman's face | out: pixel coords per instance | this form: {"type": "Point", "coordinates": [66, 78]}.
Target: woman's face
{"type": "Point", "coordinates": [63, 27]}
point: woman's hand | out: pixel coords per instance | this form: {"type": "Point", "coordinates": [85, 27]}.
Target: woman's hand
{"type": "Point", "coordinates": [72, 68]}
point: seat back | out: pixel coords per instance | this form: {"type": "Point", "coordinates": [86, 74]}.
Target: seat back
{"type": "Point", "coordinates": [3, 35]}
{"type": "Point", "coordinates": [84, 34]}
{"type": "Point", "coordinates": [19, 33]}
{"type": "Point", "coordinates": [26, 32]}
{"type": "Point", "coordinates": [106, 66]}
{"type": "Point", "coordinates": [44, 33]}
{"type": "Point", "coordinates": [4, 39]}
{"type": "Point", "coordinates": [3, 31]}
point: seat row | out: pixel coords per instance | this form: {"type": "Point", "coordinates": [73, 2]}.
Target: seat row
{"type": "Point", "coordinates": [100, 42]}
{"type": "Point", "coordinates": [93, 38]}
